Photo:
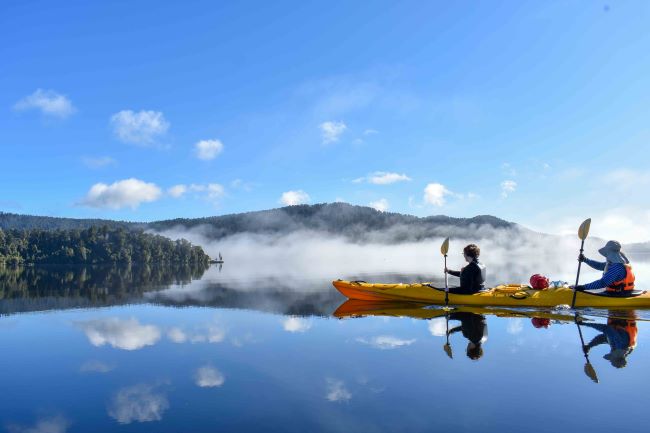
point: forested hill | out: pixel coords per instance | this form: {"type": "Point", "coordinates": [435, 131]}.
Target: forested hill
{"type": "Point", "coordinates": [96, 245]}
{"type": "Point", "coordinates": [358, 223]}
{"type": "Point", "coordinates": [10, 221]}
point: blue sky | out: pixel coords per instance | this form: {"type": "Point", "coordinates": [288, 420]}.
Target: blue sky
{"type": "Point", "coordinates": [536, 112]}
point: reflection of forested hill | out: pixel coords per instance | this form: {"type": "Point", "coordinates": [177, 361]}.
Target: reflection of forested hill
{"type": "Point", "coordinates": [280, 300]}
{"type": "Point", "coordinates": [37, 288]}
{"type": "Point", "coordinates": [44, 288]}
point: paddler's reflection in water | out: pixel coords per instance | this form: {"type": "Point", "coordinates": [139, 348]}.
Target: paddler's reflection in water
{"type": "Point", "coordinates": [474, 328]}
{"type": "Point", "coordinates": [620, 333]}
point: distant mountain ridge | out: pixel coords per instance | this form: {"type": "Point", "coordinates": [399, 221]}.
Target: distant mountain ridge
{"type": "Point", "coordinates": [357, 223]}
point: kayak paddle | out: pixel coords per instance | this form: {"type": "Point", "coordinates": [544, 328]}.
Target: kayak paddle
{"type": "Point", "coordinates": [447, 346]}
{"type": "Point", "coordinates": [583, 231]}
{"type": "Point", "coordinates": [444, 249]}
{"type": "Point", "coordinates": [590, 371]}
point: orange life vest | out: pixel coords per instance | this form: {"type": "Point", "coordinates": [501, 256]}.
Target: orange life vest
{"type": "Point", "coordinates": [629, 326]}
{"type": "Point", "coordinates": [626, 283]}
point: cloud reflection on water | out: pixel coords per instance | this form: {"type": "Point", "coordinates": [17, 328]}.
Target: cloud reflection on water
{"type": "Point", "coordinates": [55, 424]}
{"type": "Point", "coordinates": [94, 366]}
{"type": "Point", "coordinates": [125, 334]}
{"type": "Point", "coordinates": [296, 324]}
{"type": "Point", "coordinates": [385, 342]}
{"type": "Point", "coordinates": [210, 333]}
{"type": "Point", "coordinates": [141, 403]}
{"type": "Point", "coordinates": [337, 391]}
{"type": "Point", "coordinates": [208, 377]}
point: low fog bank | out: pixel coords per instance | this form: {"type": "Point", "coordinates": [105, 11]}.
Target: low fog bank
{"type": "Point", "coordinates": [512, 255]}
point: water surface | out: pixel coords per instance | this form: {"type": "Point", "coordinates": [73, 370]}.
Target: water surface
{"type": "Point", "coordinates": [120, 350]}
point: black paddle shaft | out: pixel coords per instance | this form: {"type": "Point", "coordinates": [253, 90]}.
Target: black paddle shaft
{"type": "Point", "coordinates": [575, 291]}
{"type": "Point", "coordinates": [446, 284]}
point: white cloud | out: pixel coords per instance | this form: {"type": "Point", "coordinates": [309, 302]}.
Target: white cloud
{"type": "Point", "coordinates": [126, 334]}
{"type": "Point", "coordinates": [336, 391]}
{"type": "Point", "coordinates": [385, 178]}
{"type": "Point", "coordinates": [434, 193]}
{"type": "Point", "coordinates": [381, 205]}
{"type": "Point", "coordinates": [98, 162]}
{"type": "Point", "coordinates": [95, 366]}
{"type": "Point", "coordinates": [384, 342]}
{"type": "Point", "coordinates": [177, 191]}
{"type": "Point", "coordinates": [370, 132]}
{"type": "Point", "coordinates": [211, 191]}
{"type": "Point", "coordinates": [331, 131]}
{"type": "Point", "coordinates": [296, 324]}
{"type": "Point", "coordinates": [124, 193]}
{"type": "Point", "coordinates": [507, 187]}
{"type": "Point", "coordinates": [208, 149]}
{"type": "Point", "coordinates": [142, 128]}
{"type": "Point", "coordinates": [292, 198]}
{"type": "Point", "coordinates": [240, 184]}
{"type": "Point", "coordinates": [438, 327]}
{"type": "Point", "coordinates": [48, 102]}
{"type": "Point", "coordinates": [627, 180]}
{"type": "Point", "coordinates": [382, 178]}
{"type": "Point", "coordinates": [208, 377]}
{"type": "Point", "coordinates": [624, 224]}
{"type": "Point", "coordinates": [138, 403]}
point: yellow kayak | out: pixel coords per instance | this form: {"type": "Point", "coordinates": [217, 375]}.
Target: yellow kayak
{"type": "Point", "coordinates": [513, 295]}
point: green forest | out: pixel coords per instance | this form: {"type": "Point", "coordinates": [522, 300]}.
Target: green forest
{"type": "Point", "coordinates": [95, 245]}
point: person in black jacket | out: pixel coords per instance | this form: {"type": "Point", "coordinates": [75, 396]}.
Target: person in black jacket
{"type": "Point", "coordinates": [472, 276]}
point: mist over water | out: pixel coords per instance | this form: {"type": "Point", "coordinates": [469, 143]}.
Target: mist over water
{"type": "Point", "coordinates": [289, 260]}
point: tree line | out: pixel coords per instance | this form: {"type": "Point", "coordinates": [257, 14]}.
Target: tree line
{"type": "Point", "coordinates": [95, 245]}
{"type": "Point", "coordinates": [96, 283]}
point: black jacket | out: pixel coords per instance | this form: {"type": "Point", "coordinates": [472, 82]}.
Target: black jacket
{"type": "Point", "coordinates": [471, 278]}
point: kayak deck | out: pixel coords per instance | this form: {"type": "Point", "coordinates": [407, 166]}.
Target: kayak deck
{"type": "Point", "coordinates": [514, 295]}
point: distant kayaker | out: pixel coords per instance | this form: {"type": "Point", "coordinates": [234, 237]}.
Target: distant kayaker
{"type": "Point", "coordinates": [617, 272]}
{"type": "Point", "coordinates": [472, 275]}
{"type": "Point", "coordinates": [474, 328]}
{"type": "Point", "coordinates": [620, 334]}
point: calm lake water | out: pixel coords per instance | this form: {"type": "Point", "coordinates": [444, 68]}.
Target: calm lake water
{"type": "Point", "coordinates": [176, 350]}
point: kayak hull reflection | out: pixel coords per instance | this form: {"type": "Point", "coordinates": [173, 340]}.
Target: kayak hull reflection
{"type": "Point", "coordinates": [504, 295]}
{"type": "Point", "coordinates": [356, 308]}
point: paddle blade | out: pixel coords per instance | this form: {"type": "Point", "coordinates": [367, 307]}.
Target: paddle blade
{"type": "Point", "coordinates": [583, 231]}
{"type": "Point", "coordinates": [444, 248]}
{"type": "Point", "coordinates": [447, 348]}
{"type": "Point", "coordinates": [591, 372]}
